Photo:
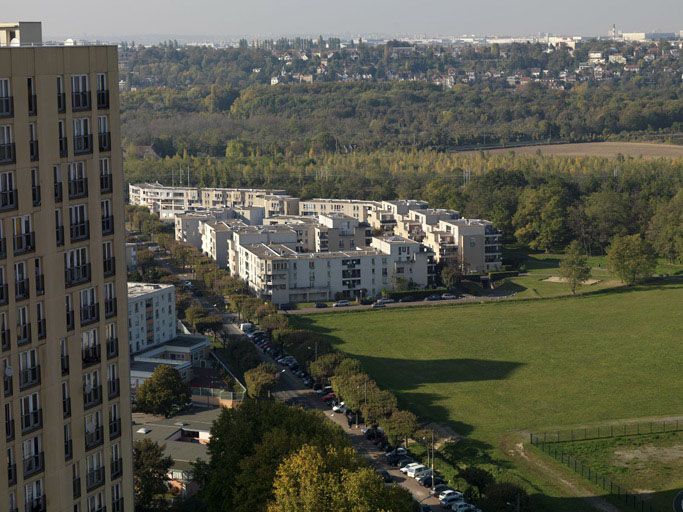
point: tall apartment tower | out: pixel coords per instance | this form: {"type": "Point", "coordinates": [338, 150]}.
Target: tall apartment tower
{"type": "Point", "coordinates": [63, 323]}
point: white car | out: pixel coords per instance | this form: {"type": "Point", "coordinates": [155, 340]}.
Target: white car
{"type": "Point", "coordinates": [448, 493]}
{"type": "Point", "coordinates": [340, 407]}
{"type": "Point", "coordinates": [407, 467]}
{"type": "Point", "coordinates": [397, 451]}
{"type": "Point", "coordinates": [449, 296]}
{"type": "Point", "coordinates": [422, 472]}
{"type": "Point", "coordinates": [341, 304]}
{"type": "Point", "coordinates": [415, 470]}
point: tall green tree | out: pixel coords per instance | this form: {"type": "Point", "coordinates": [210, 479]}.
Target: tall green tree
{"type": "Point", "coordinates": [631, 259]}
{"type": "Point", "coordinates": [540, 220]}
{"type": "Point", "coordinates": [150, 475]}
{"type": "Point", "coordinates": [574, 266]}
{"type": "Point", "coordinates": [665, 230]}
{"type": "Point", "coordinates": [261, 380]}
{"type": "Point", "coordinates": [163, 392]}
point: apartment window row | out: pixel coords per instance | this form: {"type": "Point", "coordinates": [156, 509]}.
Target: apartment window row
{"type": "Point", "coordinates": [9, 195]}
{"type": "Point", "coordinates": [25, 333]}
{"type": "Point", "coordinates": [34, 497]}
{"type": "Point", "coordinates": [95, 479]}
{"type": "Point", "coordinates": [22, 287]}
{"type": "Point", "coordinates": [89, 312]}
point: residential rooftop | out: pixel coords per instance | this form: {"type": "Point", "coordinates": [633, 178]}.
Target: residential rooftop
{"type": "Point", "coordinates": [136, 290]}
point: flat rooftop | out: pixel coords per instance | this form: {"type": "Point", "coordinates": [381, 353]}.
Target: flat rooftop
{"type": "Point", "coordinates": [136, 290]}
{"type": "Point", "coordinates": [279, 251]}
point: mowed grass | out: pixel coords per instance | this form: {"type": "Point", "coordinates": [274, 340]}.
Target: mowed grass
{"type": "Point", "coordinates": [486, 369]}
{"type": "Point", "coordinates": [647, 464]}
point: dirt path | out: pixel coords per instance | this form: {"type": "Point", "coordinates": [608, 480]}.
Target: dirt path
{"type": "Point", "coordinates": [572, 489]}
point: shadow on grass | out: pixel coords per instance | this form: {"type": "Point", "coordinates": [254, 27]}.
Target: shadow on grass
{"type": "Point", "coordinates": [533, 263]}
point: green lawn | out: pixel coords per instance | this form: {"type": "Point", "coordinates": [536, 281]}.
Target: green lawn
{"type": "Point", "coordinates": [487, 369]}
{"type": "Point", "coordinates": [650, 464]}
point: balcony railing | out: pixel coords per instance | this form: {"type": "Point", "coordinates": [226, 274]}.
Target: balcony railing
{"type": "Point", "coordinates": [114, 386]}
{"type": "Point", "coordinates": [70, 320]}
{"type": "Point", "coordinates": [4, 294]}
{"type": "Point", "coordinates": [61, 102]}
{"type": "Point", "coordinates": [91, 355]}
{"type": "Point", "coordinates": [108, 225]}
{"type": "Point", "coordinates": [112, 348]}
{"type": "Point", "coordinates": [9, 429]}
{"type": "Point", "coordinates": [66, 407]}
{"type": "Point", "coordinates": [36, 504]}
{"type": "Point", "coordinates": [42, 329]}
{"type": "Point", "coordinates": [34, 464]}
{"type": "Point", "coordinates": [64, 360]}
{"type": "Point", "coordinates": [103, 99]}
{"type": "Point", "coordinates": [63, 147]}
{"type": "Point", "coordinates": [105, 183]}
{"type": "Point", "coordinates": [94, 478]}
{"type": "Point", "coordinates": [79, 231]}
{"type": "Point", "coordinates": [90, 314]}
{"type": "Point", "coordinates": [33, 150]}
{"type": "Point", "coordinates": [9, 200]}
{"type": "Point", "coordinates": [31, 421]}
{"type": "Point", "coordinates": [11, 474]}
{"type": "Point", "coordinates": [40, 284]}
{"type": "Point", "coordinates": [92, 398]}
{"type": "Point", "coordinates": [117, 505]}
{"type": "Point", "coordinates": [35, 195]}
{"type": "Point", "coordinates": [23, 334]}
{"type": "Point", "coordinates": [8, 153]}
{"type": "Point", "coordinates": [7, 385]}
{"type": "Point", "coordinates": [109, 307]}
{"type": "Point", "coordinates": [59, 192]}
{"type": "Point", "coordinates": [77, 488]}
{"type": "Point", "coordinates": [109, 266]}
{"type": "Point", "coordinates": [59, 235]}
{"type": "Point", "coordinates": [74, 276]}
{"type": "Point", "coordinates": [116, 468]}
{"type": "Point", "coordinates": [6, 106]}
{"type": "Point", "coordinates": [24, 243]}
{"type": "Point", "coordinates": [105, 141]}
{"type": "Point", "coordinates": [5, 339]}
{"type": "Point", "coordinates": [83, 144]}
{"type": "Point", "coordinates": [68, 449]}
{"type": "Point", "coordinates": [80, 101]}
{"type": "Point", "coordinates": [95, 438]}
{"type": "Point", "coordinates": [3, 247]}
{"type": "Point", "coordinates": [32, 104]}
{"type": "Point", "coordinates": [21, 289]}
{"type": "Point", "coordinates": [78, 188]}
{"type": "Point", "coordinates": [29, 377]}
{"type": "Point", "coordinates": [115, 428]}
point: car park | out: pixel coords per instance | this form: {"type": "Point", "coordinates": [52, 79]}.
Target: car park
{"type": "Point", "coordinates": [432, 298]}
{"type": "Point", "coordinates": [404, 461]}
{"type": "Point", "coordinates": [426, 480]}
{"type": "Point", "coordinates": [397, 451]}
{"type": "Point", "coordinates": [341, 304]}
{"type": "Point", "coordinates": [420, 473]}
{"type": "Point", "coordinates": [328, 397]}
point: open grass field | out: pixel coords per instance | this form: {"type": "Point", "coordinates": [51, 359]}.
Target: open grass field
{"type": "Point", "coordinates": [601, 149]}
{"type": "Point", "coordinates": [649, 464]}
{"type": "Point", "coordinates": [487, 369]}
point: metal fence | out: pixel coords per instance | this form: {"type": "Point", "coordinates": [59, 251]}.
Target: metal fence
{"type": "Point", "coordinates": [610, 431]}
{"type": "Point", "coordinates": [548, 443]}
{"type": "Point", "coordinates": [218, 393]}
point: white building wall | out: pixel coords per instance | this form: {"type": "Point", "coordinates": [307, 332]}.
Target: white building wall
{"type": "Point", "coordinates": [144, 333]}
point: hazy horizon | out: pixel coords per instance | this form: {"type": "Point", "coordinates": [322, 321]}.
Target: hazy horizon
{"type": "Point", "coordinates": [270, 18]}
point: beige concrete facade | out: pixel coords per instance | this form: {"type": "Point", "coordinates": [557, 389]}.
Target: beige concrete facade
{"type": "Point", "coordinates": [63, 290]}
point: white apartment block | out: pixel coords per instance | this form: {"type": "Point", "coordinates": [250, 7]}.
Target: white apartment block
{"type": "Point", "coordinates": [282, 275]}
{"type": "Point", "coordinates": [215, 235]}
{"type": "Point", "coordinates": [353, 208]}
{"type": "Point", "coordinates": [151, 315]}
{"type": "Point", "coordinates": [163, 200]}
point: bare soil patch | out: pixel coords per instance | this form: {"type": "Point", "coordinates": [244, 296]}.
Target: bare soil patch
{"type": "Point", "coordinates": [558, 279]}
{"type": "Point", "coordinates": [601, 149]}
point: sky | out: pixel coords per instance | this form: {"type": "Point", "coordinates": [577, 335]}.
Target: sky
{"type": "Point", "coordinates": [120, 19]}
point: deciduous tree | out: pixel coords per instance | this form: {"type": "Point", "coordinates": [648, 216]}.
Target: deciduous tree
{"type": "Point", "coordinates": [163, 392]}
{"type": "Point", "coordinates": [631, 259]}
{"type": "Point", "coordinates": [574, 266]}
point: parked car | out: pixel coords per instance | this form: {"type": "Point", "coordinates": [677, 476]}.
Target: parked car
{"type": "Point", "coordinates": [378, 305]}
{"type": "Point", "coordinates": [285, 307]}
{"type": "Point", "coordinates": [407, 299]}
{"type": "Point", "coordinates": [328, 397]}
{"type": "Point", "coordinates": [426, 480]}
{"type": "Point", "coordinates": [404, 461]}
{"type": "Point", "coordinates": [439, 488]}
{"type": "Point", "coordinates": [397, 451]}
{"type": "Point", "coordinates": [385, 475]}
{"type": "Point", "coordinates": [246, 327]}
{"type": "Point", "coordinates": [415, 470]}
{"type": "Point", "coordinates": [320, 305]}
{"type": "Point", "coordinates": [451, 499]}
{"type": "Point", "coordinates": [341, 304]}
{"type": "Point", "coordinates": [419, 473]}
{"type": "Point", "coordinates": [340, 407]}
{"type": "Point", "coordinates": [432, 298]}
{"type": "Point", "coordinates": [449, 492]}
{"type": "Point", "coordinates": [409, 466]}
{"type": "Point", "coordinates": [385, 301]}
{"type": "Point", "coordinates": [461, 506]}
{"type": "Point", "coordinates": [448, 296]}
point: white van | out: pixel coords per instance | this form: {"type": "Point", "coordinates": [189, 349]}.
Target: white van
{"type": "Point", "coordinates": [246, 327]}
{"type": "Point", "coordinates": [415, 469]}
{"type": "Point", "coordinates": [422, 472]}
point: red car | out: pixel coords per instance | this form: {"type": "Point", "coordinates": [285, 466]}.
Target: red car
{"type": "Point", "coordinates": [328, 397]}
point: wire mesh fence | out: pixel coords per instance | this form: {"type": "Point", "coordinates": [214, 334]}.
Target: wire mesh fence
{"type": "Point", "coordinates": [609, 431]}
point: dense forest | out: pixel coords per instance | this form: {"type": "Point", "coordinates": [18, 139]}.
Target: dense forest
{"type": "Point", "coordinates": [198, 99]}
{"type": "Point", "coordinates": [540, 201]}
